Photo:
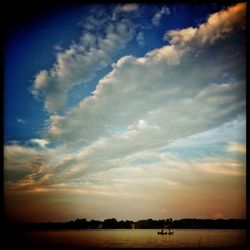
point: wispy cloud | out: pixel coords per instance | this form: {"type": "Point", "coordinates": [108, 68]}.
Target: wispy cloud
{"type": "Point", "coordinates": [40, 142]}
{"type": "Point", "coordinates": [82, 60]}
{"type": "Point", "coordinates": [136, 107]}
{"type": "Point", "coordinates": [218, 26]}
{"type": "Point", "coordinates": [121, 142]}
{"type": "Point", "coordinates": [131, 179]}
{"type": "Point", "coordinates": [58, 47]}
{"type": "Point", "coordinates": [19, 120]}
{"type": "Point", "coordinates": [235, 147]}
{"type": "Point", "coordinates": [128, 7]}
{"type": "Point", "coordinates": [140, 39]}
{"type": "Point", "coordinates": [158, 15]}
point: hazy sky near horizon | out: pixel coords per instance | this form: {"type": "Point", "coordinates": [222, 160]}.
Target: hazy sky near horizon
{"type": "Point", "coordinates": [130, 111]}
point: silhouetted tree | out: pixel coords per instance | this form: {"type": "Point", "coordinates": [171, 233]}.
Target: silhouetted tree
{"type": "Point", "coordinates": [149, 223]}
{"type": "Point", "coordinates": [110, 223]}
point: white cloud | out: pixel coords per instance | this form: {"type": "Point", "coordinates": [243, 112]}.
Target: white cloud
{"type": "Point", "coordinates": [170, 54]}
{"type": "Point", "coordinates": [58, 47]}
{"type": "Point", "coordinates": [128, 7]}
{"type": "Point", "coordinates": [233, 130]}
{"type": "Point", "coordinates": [112, 142]}
{"type": "Point", "coordinates": [28, 167]}
{"type": "Point", "coordinates": [139, 136]}
{"type": "Point", "coordinates": [19, 120]}
{"type": "Point", "coordinates": [82, 60]}
{"type": "Point", "coordinates": [142, 105]}
{"type": "Point", "coordinates": [140, 39]}
{"type": "Point", "coordinates": [136, 90]}
{"type": "Point", "coordinates": [41, 142]}
{"type": "Point", "coordinates": [218, 26]}
{"type": "Point", "coordinates": [19, 161]}
{"type": "Point", "coordinates": [221, 167]}
{"type": "Point", "coordinates": [157, 17]}
{"type": "Point", "coordinates": [18, 154]}
{"type": "Point", "coordinates": [235, 147]}
{"type": "Point", "coordinates": [136, 177]}
{"type": "Point", "coordinates": [142, 168]}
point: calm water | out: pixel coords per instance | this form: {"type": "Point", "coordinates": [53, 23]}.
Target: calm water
{"type": "Point", "coordinates": [139, 238]}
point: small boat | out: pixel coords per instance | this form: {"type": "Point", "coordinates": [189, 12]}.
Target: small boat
{"type": "Point", "coordinates": [161, 232]}
{"type": "Point", "coordinates": [170, 232]}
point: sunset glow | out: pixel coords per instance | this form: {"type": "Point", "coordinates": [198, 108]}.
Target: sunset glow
{"type": "Point", "coordinates": [127, 111]}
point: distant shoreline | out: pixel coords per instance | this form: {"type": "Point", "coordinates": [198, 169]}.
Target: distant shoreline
{"type": "Point", "coordinates": [140, 224]}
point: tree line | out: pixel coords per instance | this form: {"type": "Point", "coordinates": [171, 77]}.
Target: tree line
{"type": "Point", "coordinates": [140, 224]}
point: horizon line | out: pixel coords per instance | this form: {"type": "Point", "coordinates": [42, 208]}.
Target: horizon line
{"type": "Point", "coordinates": [185, 218]}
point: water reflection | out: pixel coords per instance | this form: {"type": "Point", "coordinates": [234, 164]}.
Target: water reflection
{"type": "Point", "coordinates": [138, 238]}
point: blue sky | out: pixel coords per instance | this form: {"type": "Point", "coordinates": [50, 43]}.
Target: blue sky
{"type": "Point", "coordinates": [34, 46]}
{"type": "Point", "coordinates": [99, 98]}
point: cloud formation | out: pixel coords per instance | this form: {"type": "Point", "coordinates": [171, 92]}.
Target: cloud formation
{"type": "Point", "coordinates": [158, 15]}
{"type": "Point", "coordinates": [129, 136]}
{"type": "Point", "coordinates": [40, 142]}
{"type": "Point", "coordinates": [141, 105]}
{"type": "Point", "coordinates": [152, 97]}
{"type": "Point", "coordinates": [133, 178]}
{"type": "Point", "coordinates": [128, 7]}
{"type": "Point", "coordinates": [140, 39]}
{"type": "Point", "coordinates": [234, 147]}
{"type": "Point", "coordinates": [79, 63]}
{"type": "Point", "coordinates": [148, 107]}
{"type": "Point", "coordinates": [218, 26]}
{"type": "Point", "coordinates": [19, 120]}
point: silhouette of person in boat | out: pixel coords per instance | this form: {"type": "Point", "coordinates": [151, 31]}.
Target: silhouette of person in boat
{"type": "Point", "coordinates": [169, 232]}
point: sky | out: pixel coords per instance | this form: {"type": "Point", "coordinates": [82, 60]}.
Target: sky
{"type": "Point", "coordinates": [131, 111]}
